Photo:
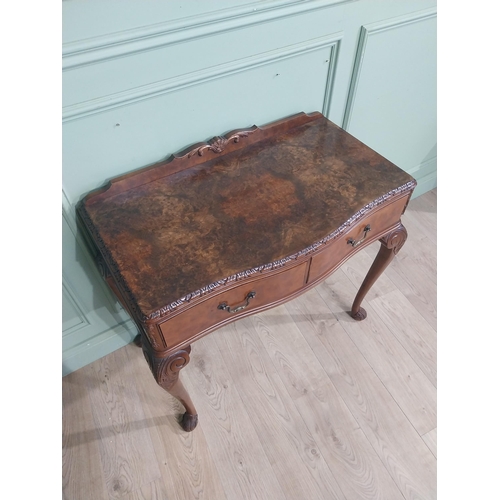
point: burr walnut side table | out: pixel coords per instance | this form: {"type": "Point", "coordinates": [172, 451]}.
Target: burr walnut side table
{"type": "Point", "coordinates": [237, 225]}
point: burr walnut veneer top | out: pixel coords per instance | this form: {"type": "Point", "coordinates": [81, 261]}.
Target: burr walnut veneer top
{"type": "Point", "coordinates": [240, 202]}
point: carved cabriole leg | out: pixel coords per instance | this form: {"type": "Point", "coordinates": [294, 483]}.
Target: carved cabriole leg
{"type": "Point", "coordinates": [391, 243]}
{"type": "Point", "coordinates": [166, 373]}
{"type": "Point", "coordinates": [165, 370]}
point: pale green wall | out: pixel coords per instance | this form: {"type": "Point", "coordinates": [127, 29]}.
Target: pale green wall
{"type": "Point", "coordinates": [143, 79]}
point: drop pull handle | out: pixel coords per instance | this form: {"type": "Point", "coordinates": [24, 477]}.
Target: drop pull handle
{"type": "Point", "coordinates": [354, 242]}
{"type": "Point", "coordinates": [225, 307]}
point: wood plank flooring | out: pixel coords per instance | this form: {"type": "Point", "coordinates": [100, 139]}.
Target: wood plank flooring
{"type": "Point", "coordinates": [298, 402]}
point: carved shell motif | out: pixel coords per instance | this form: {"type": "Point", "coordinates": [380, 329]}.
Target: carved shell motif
{"type": "Point", "coordinates": [218, 144]}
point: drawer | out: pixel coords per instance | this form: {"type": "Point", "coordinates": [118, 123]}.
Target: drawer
{"type": "Point", "coordinates": [338, 250]}
{"type": "Point", "coordinates": [205, 316]}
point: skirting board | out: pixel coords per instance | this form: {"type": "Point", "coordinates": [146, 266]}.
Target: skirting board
{"type": "Point", "coordinates": [97, 347]}
{"type": "Point", "coordinates": [425, 175]}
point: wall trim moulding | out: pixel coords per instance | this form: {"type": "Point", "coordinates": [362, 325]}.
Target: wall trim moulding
{"type": "Point", "coordinates": [82, 319]}
{"type": "Point", "coordinates": [366, 32]}
{"type": "Point", "coordinates": [101, 344]}
{"type": "Point", "coordinates": [97, 49]}
{"type": "Point", "coordinates": [127, 97]}
{"type": "Point", "coordinates": [426, 175]}
{"type": "Point", "coordinates": [69, 215]}
{"type": "Point", "coordinates": [332, 69]}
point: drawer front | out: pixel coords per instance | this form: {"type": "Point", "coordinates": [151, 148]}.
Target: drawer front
{"type": "Point", "coordinates": [339, 250]}
{"type": "Point", "coordinates": [207, 314]}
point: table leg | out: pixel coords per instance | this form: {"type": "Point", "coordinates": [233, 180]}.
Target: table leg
{"type": "Point", "coordinates": [166, 372]}
{"type": "Point", "coordinates": [390, 245]}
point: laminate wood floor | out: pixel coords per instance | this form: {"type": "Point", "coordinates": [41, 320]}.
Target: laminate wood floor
{"type": "Point", "coordinates": [298, 402]}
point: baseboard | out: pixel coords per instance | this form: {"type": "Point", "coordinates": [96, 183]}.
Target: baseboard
{"type": "Point", "coordinates": [97, 347]}
{"type": "Point", "coordinates": [425, 175]}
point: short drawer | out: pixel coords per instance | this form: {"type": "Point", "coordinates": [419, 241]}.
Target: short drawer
{"type": "Point", "coordinates": [206, 315]}
{"type": "Point", "coordinates": [339, 250]}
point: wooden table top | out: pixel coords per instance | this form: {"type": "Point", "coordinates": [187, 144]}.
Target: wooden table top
{"type": "Point", "coordinates": [246, 200]}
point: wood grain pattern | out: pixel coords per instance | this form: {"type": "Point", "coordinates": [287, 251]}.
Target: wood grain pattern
{"type": "Point", "coordinates": [82, 474]}
{"type": "Point", "coordinates": [411, 329]}
{"type": "Point", "coordinates": [339, 437]}
{"type": "Point", "coordinates": [186, 466]}
{"type": "Point", "coordinates": [240, 459]}
{"type": "Point", "coordinates": [414, 271]}
{"type": "Point", "coordinates": [422, 249]}
{"type": "Point", "coordinates": [378, 415]}
{"type": "Point", "coordinates": [280, 428]}
{"type": "Point", "coordinates": [401, 376]}
{"type": "Point", "coordinates": [357, 266]}
{"type": "Point", "coordinates": [125, 445]}
{"type": "Point", "coordinates": [414, 282]}
{"type": "Point", "coordinates": [156, 490]}
{"type": "Point", "coordinates": [431, 440]}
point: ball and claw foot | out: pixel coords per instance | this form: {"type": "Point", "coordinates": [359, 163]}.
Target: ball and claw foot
{"type": "Point", "coordinates": [189, 422]}
{"type": "Point", "coordinates": [360, 315]}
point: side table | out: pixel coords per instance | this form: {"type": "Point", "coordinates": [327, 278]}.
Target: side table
{"type": "Point", "coordinates": [239, 224]}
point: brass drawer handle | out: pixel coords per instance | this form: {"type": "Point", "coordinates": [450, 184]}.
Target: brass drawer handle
{"type": "Point", "coordinates": [223, 306]}
{"type": "Point", "coordinates": [355, 243]}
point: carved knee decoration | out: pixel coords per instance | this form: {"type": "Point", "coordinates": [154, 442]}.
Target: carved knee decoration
{"type": "Point", "coordinates": [395, 239]}
{"type": "Point", "coordinates": [166, 370]}
{"type": "Point", "coordinates": [166, 373]}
